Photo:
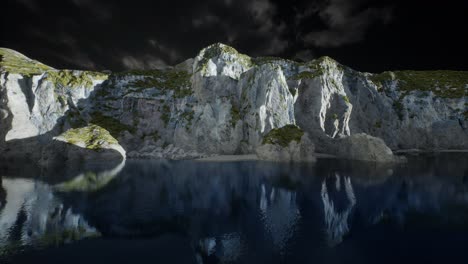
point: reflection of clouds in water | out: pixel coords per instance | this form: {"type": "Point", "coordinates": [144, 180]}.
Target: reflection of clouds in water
{"type": "Point", "coordinates": [336, 223]}
{"type": "Point", "coordinates": [32, 214]}
{"type": "Point", "coordinates": [280, 214]}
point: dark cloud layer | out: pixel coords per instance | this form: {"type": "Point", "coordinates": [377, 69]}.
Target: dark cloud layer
{"type": "Point", "coordinates": [370, 35]}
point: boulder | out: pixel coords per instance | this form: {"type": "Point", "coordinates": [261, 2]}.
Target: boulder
{"type": "Point", "coordinates": [90, 143]}
{"type": "Point", "coordinates": [288, 143]}
{"type": "Point", "coordinates": [365, 148]}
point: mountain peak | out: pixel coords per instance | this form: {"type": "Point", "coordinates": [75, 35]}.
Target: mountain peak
{"type": "Point", "coordinates": [219, 57]}
{"type": "Point", "coordinates": [217, 49]}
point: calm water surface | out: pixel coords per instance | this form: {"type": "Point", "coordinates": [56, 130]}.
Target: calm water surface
{"type": "Point", "coordinates": [237, 212]}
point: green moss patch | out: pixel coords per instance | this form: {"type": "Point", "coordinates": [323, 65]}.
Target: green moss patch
{"type": "Point", "coordinates": [14, 62]}
{"type": "Point", "coordinates": [444, 84]}
{"type": "Point", "coordinates": [283, 136]}
{"type": "Point", "coordinates": [316, 69]}
{"type": "Point", "coordinates": [188, 116]}
{"type": "Point", "coordinates": [235, 115]}
{"type": "Point", "coordinates": [268, 59]}
{"type": "Point", "coordinates": [381, 79]}
{"type": "Point", "coordinates": [398, 106]}
{"type": "Point", "coordinates": [346, 99]}
{"type": "Point", "coordinates": [378, 124]}
{"type": "Point", "coordinates": [165, 80]}
{"type": "Point", "coordinates": [92, 136]}
{"type": "Point", "coordinates": [68, 78]}
{"type": "Point", "coordinates": [166, 114]}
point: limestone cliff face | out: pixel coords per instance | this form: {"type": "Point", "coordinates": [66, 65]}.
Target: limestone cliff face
{"type": "Point", "coordinates": [224, 102]}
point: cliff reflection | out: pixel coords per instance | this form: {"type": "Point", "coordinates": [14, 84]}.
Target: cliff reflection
{"type": "Point", "coordinates": [32, 214]}
{"type": "Point", "coordinates": [239, 211]}
{"type": "Point", "coordinates": [336, 222]}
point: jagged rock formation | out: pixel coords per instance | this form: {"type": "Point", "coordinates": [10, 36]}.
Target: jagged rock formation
{"type": "Point", "coordinates": [224, 102]}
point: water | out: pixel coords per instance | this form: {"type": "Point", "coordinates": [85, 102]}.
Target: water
{"type": "Point", "coordinates": [237, 212]}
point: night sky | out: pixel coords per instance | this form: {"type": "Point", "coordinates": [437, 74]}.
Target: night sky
{"type": "Point", "coordinates": [367, 35]}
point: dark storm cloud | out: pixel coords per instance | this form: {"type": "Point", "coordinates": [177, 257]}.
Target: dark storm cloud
{"type": "Point", "coordinates": [345, 23]}
{"type": "Point", "coordinates": [145, 34]}
{"type": "Point", "coordinates": [100, 11]}
{"type": "Point", "coordinates": [117, 35]}
{"type": "Point", "coordinates": [241, 21]}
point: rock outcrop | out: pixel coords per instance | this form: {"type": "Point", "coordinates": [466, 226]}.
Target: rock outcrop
{"type": "Point", "coordinates": [365, 148]}
{"type": "Point", "coordinates": [225, 102]}
{"type": "Point", "coordinates": [288, 143]}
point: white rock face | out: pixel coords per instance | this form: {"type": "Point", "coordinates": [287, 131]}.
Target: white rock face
{"type": "Point", "coordinates": [34, 103]}
{"type": "Point", "coordinates": [323, 104]}
{"type": "Point", "coordinates": [21, 108]}
{"type": "Point", "coordinates": [266, 100]}
{"type": "Point", "coordinates": [224, 102]}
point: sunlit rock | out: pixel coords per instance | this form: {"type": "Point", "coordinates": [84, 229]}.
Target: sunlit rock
{"type": "Point", "coordinates": [223, 102]}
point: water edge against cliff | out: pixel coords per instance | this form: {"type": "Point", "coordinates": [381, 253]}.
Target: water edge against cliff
{"type": "Point", "coordinates": [330, 211]}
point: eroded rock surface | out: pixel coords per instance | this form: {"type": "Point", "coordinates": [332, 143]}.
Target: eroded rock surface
{"type": "Point", "coordinates": [225, 102]}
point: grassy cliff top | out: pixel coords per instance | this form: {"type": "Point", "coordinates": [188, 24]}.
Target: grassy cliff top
{"type": "Point", "coordinates": [71, 78]}
{"type": "Point", "coordinates": [15, 62]}
{"type": "Point", "coordinates": [445, 84]}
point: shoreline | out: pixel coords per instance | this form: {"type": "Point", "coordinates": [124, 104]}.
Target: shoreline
{"type": "Point", "coordinates": [248, 157]}
{"type": "Point", "coordinates": [253, 157]}
{"type": "Point", "coordinates": [410, 151]}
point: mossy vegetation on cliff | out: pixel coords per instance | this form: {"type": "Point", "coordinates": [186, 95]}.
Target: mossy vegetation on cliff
{"type": "Point", "coordinates": [315, 67]}
{"type": "Point", "coordinates": [235, 115]}
{"type": "Point", "coordinates": [14, 62]}
{"type": "Point", "coordinates": [268, 59]}
{"type": "Point", "coordinates": [444, 84]}
{"type": "Point", "coordinates": [68, 78]}
{"type": "Point", "coordinates": [283, 136]}
{"type": "Point", "coordinates": [92, 137]}
{"type": "Point", "coordinates": [165, 80]}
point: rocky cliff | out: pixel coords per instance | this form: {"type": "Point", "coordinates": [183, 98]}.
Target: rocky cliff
{"type": "Point", "coordinates": [224, 102]}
